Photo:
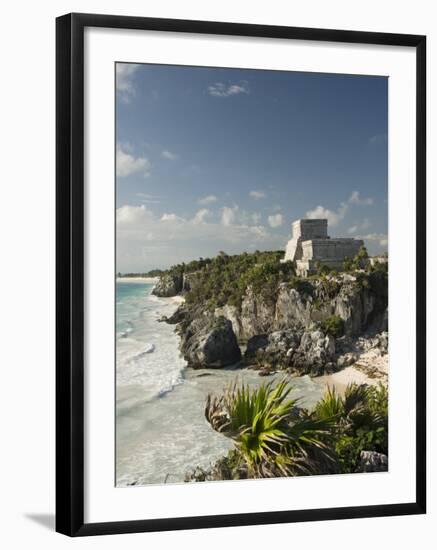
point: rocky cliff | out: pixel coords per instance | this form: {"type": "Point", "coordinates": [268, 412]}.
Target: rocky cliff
{"type": "Point", "coordinates": [305, 326]}
{"type": "Point", "coordinates": [360, 302]}
{"type": "Point", "coordinates": [174, 283]}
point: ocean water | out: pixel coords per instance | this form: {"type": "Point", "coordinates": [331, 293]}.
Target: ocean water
{"type": "Point", "coordinates": [161, 431]}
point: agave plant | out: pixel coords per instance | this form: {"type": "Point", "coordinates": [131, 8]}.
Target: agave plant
{"type": "Point", "coordinates": [360, 421]}
{"type": "Point", "coordinates": [331, 405]}
{"type": "Point", "coordinates": [273, 435]}
{"type": "Point", "coordinates": [365, 405]}
{"type": "Point", "coordinates": [361, 405]}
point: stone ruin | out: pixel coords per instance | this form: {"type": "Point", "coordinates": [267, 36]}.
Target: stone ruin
{"type": "Point", "coordinates": [311, 245]}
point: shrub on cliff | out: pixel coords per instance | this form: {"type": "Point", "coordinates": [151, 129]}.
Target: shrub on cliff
{"type": "Point", "coordinates": [333, 325]}
{"type": "Point", "coordinates": [359, 261]}
{"type": "Point", "coordinates": [264, 277]}
{"type": "Point", "coordinates": [224, 279]}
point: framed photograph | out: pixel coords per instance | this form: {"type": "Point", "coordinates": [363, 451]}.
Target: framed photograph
{"type": "Point", "coordinates": [240, 274]}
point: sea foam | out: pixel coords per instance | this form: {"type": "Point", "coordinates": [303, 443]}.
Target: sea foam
{"type": "Point", "coordinates": [147, 352]}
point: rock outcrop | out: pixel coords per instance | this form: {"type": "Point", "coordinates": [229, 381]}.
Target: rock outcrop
{"type": "Point", "coordinates": [168, 285]}
{"type": "Point", "coordinates": [371, 461]}
{"type": "Point", "coordinates": [233, 315]}
{"type": "Point", "coordinates": [293, 327]}
{"type": "Point", "coordinates": [315, 354]}
{"type": "Point", "coordinates": [275, 349]}
{"type": "Point", "coordinates": [210, 342]}
{"type": "Point", "coordinates": [173, 283]}
{"type": "Point", "coordinates": [362, 306]}
{"type": "Point", "coordinates": [307, 352]}
{"type": "Point", "coordinates": [257, 314]}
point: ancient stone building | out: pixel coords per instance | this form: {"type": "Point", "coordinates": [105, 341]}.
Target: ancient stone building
{"type": "Point", "coordinates": [310, 245]}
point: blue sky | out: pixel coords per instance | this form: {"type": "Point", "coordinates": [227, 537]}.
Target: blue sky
{"type": "Point", "coordinates": [225, 159]}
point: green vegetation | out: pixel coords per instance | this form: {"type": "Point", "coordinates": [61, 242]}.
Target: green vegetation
{"type": "Point", "coordinates": [224, 279]}
{"type": "Point", "coordinates": [322, 269]}
{"type": "Point", "coordinates": [361, 422]}
{"type": "Point", "coordinates": [379, 267]}
{"type": "Point", "coordinates": [333, 325]}
{"type": "Point", "coordinates": [274, 437]}
{"type": "Point", "coordinates": [360, 261]}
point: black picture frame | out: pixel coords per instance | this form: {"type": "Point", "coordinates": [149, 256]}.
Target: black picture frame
{"type": "Point", "coordinates": [70, 273]}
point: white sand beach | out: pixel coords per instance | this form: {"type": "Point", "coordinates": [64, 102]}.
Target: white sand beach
{"type": "Point", "coordinates": [137, 279]}
{"type": "Point", "coordinates": [370, 369]}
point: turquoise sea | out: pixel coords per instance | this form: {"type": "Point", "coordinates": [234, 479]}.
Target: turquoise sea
{"type": "Point", "coordinates": [161, 431]}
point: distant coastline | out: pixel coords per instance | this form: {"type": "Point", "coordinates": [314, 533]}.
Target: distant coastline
{"type": "Point", "coordinates": [137, 279]}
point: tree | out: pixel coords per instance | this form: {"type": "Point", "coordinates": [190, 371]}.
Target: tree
{"type": "Point", "coordinates": [361, 260]}
{"type": "Point", "coordinates": [347, 264]}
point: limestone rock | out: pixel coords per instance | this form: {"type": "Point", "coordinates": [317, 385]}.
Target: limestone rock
{"type": "Point", "coordinates": [316, 350]}
{"type": "Point", "coordinates": [210, 342]}
{"type": "Point", "coordinates": [257, 314]}
{"type": "Point", "coordinates": [233, 315]}
{"type": "Point", "coordinates": [310, 352]}
{"type": "Point", "coordinates": [178, 316]}
{"type": "Point", "coordinates": [189, 281]}
{"type": "Point", "coordinates": [274, 349]}
{"type": "Point", "coordinates": [168, 286]}
{"type": "Point", "coordinates": [346, 360]}
{"type": "Point", "coordinates": [378, 342]}
{"type": "Point", "coordinates": [371, 461]}
{"type": "Point", "coordinates": [348, 306]}
{"type": "Point", "coordinates": [293, 308]}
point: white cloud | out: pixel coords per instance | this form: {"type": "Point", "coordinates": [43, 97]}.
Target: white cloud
{"type": "Point", "coordinates": [380, 238]}
{"type": "Point", "coordinates": [169, 155]}
{"type": "Point", "coordinates": [257, 195]}
{"type": "Point", "coordinates": [124, 73]}
{"type": "Point", "coordinates": [219, 89]}
{"type": "Point", "coordinates": [336, 216]}
{"type": "Point", "coordinates": [356, 198]}
{"type": "Point", "coordinates": [171, 218]}
{"type": "Point", "coordinates": [275, 220]}
{"type": "Point", "coordinates": [321, 212]}
{"type": "Point", "coordinates": [207, 200]}
{"type": "Point", "coordinates": [228, 215]}
{"type": "Point", "coordinates": [201, 215]}
{"type": "Point", "coordinates": [127, 164]}
{"type": "Point", "coordinates": [145, 240]}
{"type": "Point", "coordinates": [236, 216]}
{"type": "Point", "coordinates": [365, 224]}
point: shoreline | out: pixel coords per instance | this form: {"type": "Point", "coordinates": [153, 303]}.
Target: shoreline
{"type": "Point", "coordinates": [341, 379]}
{"type": "Point", "coordinates": [352, 374]}
{"type": "Point", "coordinates": [136, 279]}
{"type": "Point", "coordinates": [175, 417]}
{"type": "Point", "coordinates": [161, 436]}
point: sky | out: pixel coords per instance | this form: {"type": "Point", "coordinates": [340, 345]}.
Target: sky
{"type": "Point", "coordinates": [211, 159]}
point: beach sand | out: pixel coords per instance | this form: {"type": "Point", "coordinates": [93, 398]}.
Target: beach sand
{"type": "Point", "coordinates": [371, 368]}
{"type": "Point", "coordinates": [344, 377]}
{"type": "Point", "coordinates": [137, 279]}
